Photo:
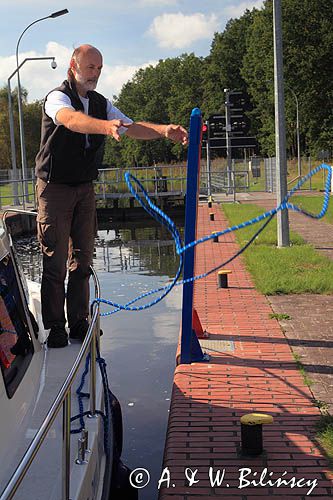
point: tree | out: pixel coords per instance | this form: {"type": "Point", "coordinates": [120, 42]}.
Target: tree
{"type": "Point", "coordinates": [32, 114]}
{"type": "Point", "coordinates": [163, 93]}
{"type": "Point", "coordinates": [308, 59]}
{"type": "Point", "coordinates": [32, 120]}
{"type": "Point", "coordinates": [224, 64]}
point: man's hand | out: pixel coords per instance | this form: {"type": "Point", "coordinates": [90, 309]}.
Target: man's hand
{"type": "Point", "coordinates": [113, 127]}
{"type": "Point", "coordinates": [176, 133]}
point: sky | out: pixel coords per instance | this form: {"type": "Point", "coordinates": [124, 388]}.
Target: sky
{"type": "Point", "coordinates": [131, 34]}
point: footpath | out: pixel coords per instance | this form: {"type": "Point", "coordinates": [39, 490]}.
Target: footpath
{"type": "Point", "coordinates": [251, 369]}
{"type": "Point", "coordinates": [310, 328]}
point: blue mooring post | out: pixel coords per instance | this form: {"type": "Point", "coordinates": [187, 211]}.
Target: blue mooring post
{"type": "Point", "coordinates": [190, 346]}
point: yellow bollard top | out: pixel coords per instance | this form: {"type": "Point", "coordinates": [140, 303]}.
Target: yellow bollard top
{"type": "Point", "coordinates": [256, 419]}
{"type": "Point", "coordinates": [227, 271]}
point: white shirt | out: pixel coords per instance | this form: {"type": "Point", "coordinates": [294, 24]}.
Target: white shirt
{"type": "Point", "coordinates": [57, 100]}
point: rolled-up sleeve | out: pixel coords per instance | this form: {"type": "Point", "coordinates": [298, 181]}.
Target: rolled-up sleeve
{"type": "Point", "coordinates": [114, 113]}
{"type": "Point", "coordinates": [55, 101]}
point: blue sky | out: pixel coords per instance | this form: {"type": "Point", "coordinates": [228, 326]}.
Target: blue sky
{"type": "Point", "coordinates": [130, 34]}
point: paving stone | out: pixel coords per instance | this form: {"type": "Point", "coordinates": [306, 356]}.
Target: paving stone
{"type": "Point", "coordinates": [260, 375]}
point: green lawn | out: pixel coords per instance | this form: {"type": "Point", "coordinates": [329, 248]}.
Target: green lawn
{"type": "Point", "coordinates": [314, 204]}
{"type": "Point", "coordinates": [316, 183]}
{"type": "Point", "coordinates": [296, 269]}
{"type": "Point", "coordinates": [6, 192]}
{"type": "Point", "coordinates": [325, 435]}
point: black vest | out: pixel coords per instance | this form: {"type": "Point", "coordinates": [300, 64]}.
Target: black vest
{"type": "Point", "coordinates": [63, 157]}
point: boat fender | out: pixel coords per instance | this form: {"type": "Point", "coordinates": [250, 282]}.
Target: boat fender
{"type": "Point", "coordinates": [117, 423]}
{"type": "Point", "coordinates": [121, 487]}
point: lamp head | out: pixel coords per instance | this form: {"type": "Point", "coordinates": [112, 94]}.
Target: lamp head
{"type": "Point", "coordinates": [59, 13]}
{"type": "Point", "coordinates": [53, 64]}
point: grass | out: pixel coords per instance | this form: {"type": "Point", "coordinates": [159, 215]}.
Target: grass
{"type": "Point", "coordinates": [316, 183]}
{"type": "Point", "coordinates": [324, 434]}
{"type": "Point", "coordinates": [279, 316]}
{"type": "Point", "coordinates": [296, 269]}
{"type": "Point", "coordinates": [314, 204]}
{"type": "Point", "coordinates": [6, 192]}
{"type": "Point", "coordinates": [306, 378]}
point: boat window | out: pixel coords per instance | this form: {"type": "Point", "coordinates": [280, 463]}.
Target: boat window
{"type": "Point", "coordinates": [16, 347]}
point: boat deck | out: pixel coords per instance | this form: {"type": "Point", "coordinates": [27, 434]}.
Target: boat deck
{"type": "Point", "coordinates": [251, 369]}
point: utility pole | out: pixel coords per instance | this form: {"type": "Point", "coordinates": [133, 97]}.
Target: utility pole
{"type": "Point", "coordinates": [12, 146]}
{"type": "Point", "coordinates": [209, 180]}
{"type": "Point", "coordinates": [280, 128]}
{"type": "Point", "coordinates": [228, 137]}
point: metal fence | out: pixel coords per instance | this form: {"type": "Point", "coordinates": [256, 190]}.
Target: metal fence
{"type": "Point", "coordinates": [156, 180]}
{"type": "Point", "coordinates": [252, 174]}
{"type": "Point", "coordinates": [12, 191]}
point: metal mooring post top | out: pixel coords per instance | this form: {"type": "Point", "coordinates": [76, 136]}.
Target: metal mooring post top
{"type": "Point", "coordinates": [256, 419]}
{"type": "Point", "coordinates": [196, 111]}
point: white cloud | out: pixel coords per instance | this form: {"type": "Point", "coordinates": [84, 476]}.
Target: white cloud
{"type": "Point", "coordinates": [38, 77]}
{"type": "Point", "coordinates": [156, 3]}
{"type": "Point", "coordinates": [114, 77]}
{"type": "Point", "coordinates": [238, 10]}
{"type": "Point", "coordinates": [178, 31]}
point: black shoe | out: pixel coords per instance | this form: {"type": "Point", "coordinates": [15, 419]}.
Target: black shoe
{"type": "Point", "coordinates": [79, 330]}
{"type": "Point", "coordinates": [57, 337]}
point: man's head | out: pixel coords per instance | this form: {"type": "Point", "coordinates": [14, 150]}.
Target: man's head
{"type": "Point", "coordinates": [85, 68]}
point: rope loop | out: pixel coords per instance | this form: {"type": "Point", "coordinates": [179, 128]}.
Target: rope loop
{"type": "Point", "coordinates": [142, 197]}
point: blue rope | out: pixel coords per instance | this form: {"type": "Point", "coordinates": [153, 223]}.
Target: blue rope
{"type": "Point", "coordinates": [162, 218]}
{"type": "Point", "coordinates": [107, 401]}
{"type": "Point", "coordinates": [80, 396]}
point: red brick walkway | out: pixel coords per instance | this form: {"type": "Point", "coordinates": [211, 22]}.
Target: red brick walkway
{"type": "Point", "coordinates": [258, 375]}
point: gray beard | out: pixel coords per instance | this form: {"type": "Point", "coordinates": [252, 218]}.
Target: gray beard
{"type": "Point", "coordinates": [88, 86]}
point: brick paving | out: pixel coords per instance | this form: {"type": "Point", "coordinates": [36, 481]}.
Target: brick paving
{"type": "Point", "coordinates": [259, 375]}
{"type": "Point", "coordinates": [310, 328]}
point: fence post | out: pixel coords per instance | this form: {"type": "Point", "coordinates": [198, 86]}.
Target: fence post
{"type": "Point", "coordinates": [190, 346]}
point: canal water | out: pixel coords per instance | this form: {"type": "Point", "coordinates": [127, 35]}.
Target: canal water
{"type": "Point", "coordinates": [139, 347]}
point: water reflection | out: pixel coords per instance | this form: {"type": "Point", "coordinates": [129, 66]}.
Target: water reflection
{"type": "Point", "coordinates": [139, 347]}
{"type": "Point", "coordinates": [144, 250]}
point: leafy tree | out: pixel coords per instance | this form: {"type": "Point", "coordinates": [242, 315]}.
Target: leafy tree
{"type": "Point", "coordinates": [165, 93]}
{"type": "Point", "coordinates": [224, 63]}
{"type": "Point", "coordinates": [308, 59]}
{"type": "Point", "coordinates": [32, 119]}
{"type": "Point", "coordinates": [32, 114]}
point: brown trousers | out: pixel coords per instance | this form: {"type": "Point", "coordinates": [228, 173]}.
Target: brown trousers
{"type": "Point", "coordinates": [66, 228]}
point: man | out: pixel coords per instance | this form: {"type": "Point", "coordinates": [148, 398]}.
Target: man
{"type": "Point", "coordinates": [74, 123]}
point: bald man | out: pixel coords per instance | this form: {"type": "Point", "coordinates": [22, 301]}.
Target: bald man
{"type": "Point", "coordinates": [75, 121]}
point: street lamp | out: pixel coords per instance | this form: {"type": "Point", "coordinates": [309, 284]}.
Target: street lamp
{"type": "Point", "coordinates": [11, 123]}
{"type": "Point", "coordinates": [23, 152]}
{"type": "Point", "coordinates": [299, 167]}
{"type": "Point", "coordinates": [283, 236]}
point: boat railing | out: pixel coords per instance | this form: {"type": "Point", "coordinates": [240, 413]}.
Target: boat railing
{"type": "Point", "coordinates": [63, 399]}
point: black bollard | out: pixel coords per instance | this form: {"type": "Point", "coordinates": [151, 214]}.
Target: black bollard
{"type": "Point", "coordinates": [222, 278]}
{"type": "Point", "coordinates": [251, 433]}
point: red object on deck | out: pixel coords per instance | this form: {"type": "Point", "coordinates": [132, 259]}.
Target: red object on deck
{"type": "Point", "coordinates": [197, 326]}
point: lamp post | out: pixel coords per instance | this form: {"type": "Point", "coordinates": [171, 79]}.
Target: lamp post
{"type": "Point", "coordinates": [299, 167]}
{"type": "Point", "coordinates": [280, 131]}
{"type": "Point", "coordinates": [23, 151]}
{"type": "Point", "coordinates": [11, 123]}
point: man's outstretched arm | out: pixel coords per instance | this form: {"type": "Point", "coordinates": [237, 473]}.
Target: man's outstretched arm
{"type": "Point", "coordinates": [147, 131]}
{"type": "Point", "coordinates": [77, 121]}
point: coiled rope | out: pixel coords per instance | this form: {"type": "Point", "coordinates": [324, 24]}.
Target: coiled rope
{"type": "Point", "coordinates": [162, 218]}
{"type": "Point", "coordinates": [141, 195]}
